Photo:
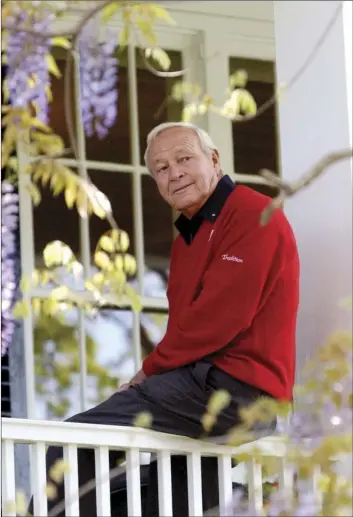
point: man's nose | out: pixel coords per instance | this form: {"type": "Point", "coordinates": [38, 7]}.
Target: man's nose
{"type": "Point", "coordinates": [175, 172]}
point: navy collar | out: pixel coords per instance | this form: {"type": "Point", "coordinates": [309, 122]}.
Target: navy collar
{"type": "Point", "coordinates": [209, 211]}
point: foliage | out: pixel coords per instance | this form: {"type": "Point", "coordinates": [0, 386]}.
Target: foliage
{"type": "Point", "coordinates": [320, 428]}
{"type": "Point", "coordinates": [29, 45]}
{"type": "Point", "coordinates": [318, 436]}
{"type": "Point", "coordinates": [57, 365]}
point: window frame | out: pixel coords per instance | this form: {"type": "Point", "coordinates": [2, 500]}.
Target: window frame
{"type": "Point", "coordinates": [205, 53]}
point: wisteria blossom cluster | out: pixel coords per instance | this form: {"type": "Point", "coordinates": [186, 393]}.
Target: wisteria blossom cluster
{"type": "Point", "coordinates": [25, 54]}
{"type": "Point", "coordinates": [99, 75]}
{"type": "Point", "coordinates": [9, 222]}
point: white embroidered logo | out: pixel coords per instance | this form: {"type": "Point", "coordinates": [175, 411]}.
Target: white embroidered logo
{"type": "Point", "coordinates": [232, 258]}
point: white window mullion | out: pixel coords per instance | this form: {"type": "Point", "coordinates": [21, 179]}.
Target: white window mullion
{"type": "Point", "coordinates": [84, 234]}
{"type": "Point", "coordinates": [27, 267]}
{"type": "Point", "coordinates": [136, 340]}
{"type": "Point", "coordinates": [136, 177]}
{"type": "Point", "coordinates": [207, 61]}
{"type": "Point", "coordinates": [136, 195]}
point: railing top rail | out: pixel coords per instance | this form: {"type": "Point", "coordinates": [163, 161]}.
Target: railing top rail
{"type": "Point", "coordinates": [118, 437]}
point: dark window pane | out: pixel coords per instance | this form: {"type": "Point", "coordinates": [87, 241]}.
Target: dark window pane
{"type": "Point", "coordinates": [255, 142]}
{"type": "Point", "coordinates": [116, 146]}
{"type": "Point", "coordinates": [52, 220]}
{"type": "Point", "coordinates": [158, 223]}
{"type": "Point", "coordinates": [118, 187]}
{"type": "Point", "coordinates": [57, 119]}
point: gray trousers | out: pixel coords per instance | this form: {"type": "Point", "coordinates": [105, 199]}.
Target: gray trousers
{"type": "Point", "coordinates": [177, 400]}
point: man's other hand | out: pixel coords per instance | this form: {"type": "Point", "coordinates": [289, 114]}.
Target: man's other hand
{"type": "Point", "coordinates": [137, 379]}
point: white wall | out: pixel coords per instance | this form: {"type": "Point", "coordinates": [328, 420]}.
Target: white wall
{"type": "Point", "coordinates": [314, 120]}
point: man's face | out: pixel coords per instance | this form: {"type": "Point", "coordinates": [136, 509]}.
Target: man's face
{"type": "Point", "coordinates": [184, 174]}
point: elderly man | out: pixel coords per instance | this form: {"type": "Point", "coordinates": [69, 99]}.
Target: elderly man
{"type": "Point", "coordinates": [233, 300]}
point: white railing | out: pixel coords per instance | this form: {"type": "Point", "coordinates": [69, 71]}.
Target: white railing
{"type": "Point", "coordinates": [134, 441]}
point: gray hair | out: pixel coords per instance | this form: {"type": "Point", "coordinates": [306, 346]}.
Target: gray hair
{"type": "Point", "coordinates": [206, 142]}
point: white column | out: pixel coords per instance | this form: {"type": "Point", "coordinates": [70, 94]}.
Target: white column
{"type": "Point", "coordinates": [347, 15]}
{"type": "Point", "coordinates": [208, 62]}
{"type": "Point", "coordinates": [315, 119]}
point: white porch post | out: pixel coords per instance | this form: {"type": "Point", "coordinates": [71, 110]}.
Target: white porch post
{"type": "Point", "coordinates": [315, 119]}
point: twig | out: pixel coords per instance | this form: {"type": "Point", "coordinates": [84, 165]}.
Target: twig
{"type": "Point", "coordinates": [165, 75]}
{"type": "Point", "coordinates": [85, 489]}
{"type": "Point", "coordinates": [68, 69]}
{"type": "Point", "coordinates": [67, 103]}
{"type": "Point", "coordinates": [61, 34]}
{"type": "Point", "coordinates": [288, 190]}
{"type": "Point", "coordinates": [302, 69]}
{"type": "Point", "coordinates": [279, 91]}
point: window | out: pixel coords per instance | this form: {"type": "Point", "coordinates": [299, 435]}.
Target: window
{"type": "Point", "coordinates": [255, 143]}
{"type": "Point", "coordinates": [116, 340]}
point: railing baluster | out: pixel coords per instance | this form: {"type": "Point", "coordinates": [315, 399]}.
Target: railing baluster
{"type": "Point", "coordinates": [194, 484]}
{"type": "Point", "coordinates": [40, 503]}
{"type": "Point", "coordinates": [255, 485]}
{"type": "Point", "coordinates": [103, 481]}
{"type": "Point", "coordinates": [225, 484]}
{"type": "Point", "coordinates": [133, 483]}
{"type": "Point", "coordinates": [71, 481]}
{"type": "Point", "coordinates": [8, 478]}
{"type": "Point", "coordinates": [164, 484]}
{"type": "Point", "coordinates": [286, 479]}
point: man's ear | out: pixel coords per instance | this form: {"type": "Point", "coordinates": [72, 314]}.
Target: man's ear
{"type": "Point", "coordinates": [216, 161]}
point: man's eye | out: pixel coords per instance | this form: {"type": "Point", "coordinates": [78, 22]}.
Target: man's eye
{"type": "Point", "coordinates": [162, 169]}
{"type": "Point", "coordinates": [185, 158]}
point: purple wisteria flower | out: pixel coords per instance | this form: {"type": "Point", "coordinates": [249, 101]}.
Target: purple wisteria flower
{"type": "Point", "coordinates": [9, 222]}
{"type": "Point", "coordinates": [27, 68]}
{"type": "Point", "coordinates": [99, 75]}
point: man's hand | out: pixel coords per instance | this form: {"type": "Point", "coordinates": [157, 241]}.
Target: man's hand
{"type": "Point", "coordinates": [137, 379]}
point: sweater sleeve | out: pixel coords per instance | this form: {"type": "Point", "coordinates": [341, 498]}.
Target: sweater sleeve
{"type": "Point", "coordinates": [242, 269]}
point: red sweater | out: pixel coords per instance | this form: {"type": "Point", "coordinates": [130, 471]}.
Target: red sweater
{"type": "Point", "coordinates": [233, 297]}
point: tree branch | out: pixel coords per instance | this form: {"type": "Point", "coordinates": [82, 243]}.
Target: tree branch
{"type": "Point", "coordinates": [287, 190]}
{"type": "Point", "coordinates": [302, 69]}
{"type": "Point", "coordinates": [62, 34]}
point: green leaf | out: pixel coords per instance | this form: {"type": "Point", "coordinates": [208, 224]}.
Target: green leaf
{"type": "Point", "coordinates": [119, 263]}
{"type": "Point", "coordinates": [58, 184]}
{"type": "Point", "coordinates": [110, 10]}
{"type": "Point", "coordinates": [107, 244]}
{"type": "Point", "coordinates": [238, 79]}
{"type": "Point", "coordinates": [208, 421]}
{"type": "Point", "coordinates": [60, 293]}
{"type": "Point", "coordinates": [102, 260]}
{"type": "Point", "coordinates": [247, 103]}
{"type": "Point", "coordinates": [5, 91]}
{"type": "Point", "coordinates": [34, 193]}
{"type": "Point", "coordinates": [60, 41]}
{"type": "Point", "coordinates": [189, 111]}
{"type": "Point", "coordinates": [13, 163]}
{"type": "Point", "coordinates": [124, 35]}
{"type": "Point", "coordinates": [70, 195]}
{"type": "Point", "coordinates": [133, 297]}
{"type": "Point", "coordinates": [143, 419]}
{"type": "Point", "coordinates": [160, 56]}
{"type": "Point", "coordinates": [21, 309]}
{"type": "Point", "coordinates": [124, 241]}
{"type": "Point", "coordinates": [52, 66]}
{"type": "Point", "coordinates": [129, 265]}
{"type": "Point", "coordinates": [219, 400]}
{"type": "Point", "coordinates": [162, 14]}
{"type": "Point", "coordinates": [38, 124]}
{"type": "Point", "coordinates": [25, 284]}
{"type": "Point", "coordinates": [147, 31]}
{"type": "Point", "coordinates": [56, 253]}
